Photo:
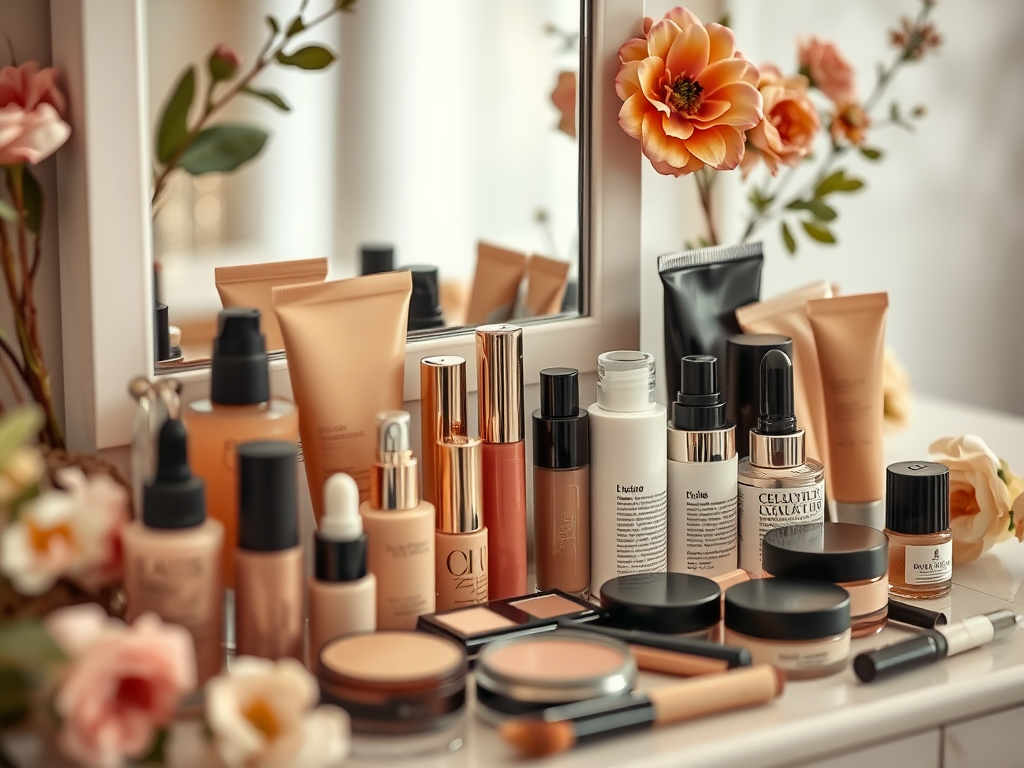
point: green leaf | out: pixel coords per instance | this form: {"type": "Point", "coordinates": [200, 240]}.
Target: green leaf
{"type": "Point", "coordinates": [17, 428]}
{"type": "Point", "coordinates": [15, 691]}
{"type": "Point", "coordinates": [837, 182]}
{"type": "Point", "coordinates": [295, 27]}
{"type": "Point", "coordinates": [894, 112]}
{"type": "Point", "coordinates": [273, 24]}
{"type": "Point", "coordinates": [268, 96]}
{"type": "Point", "coordinates": [33, 199]}
{"type": "Point", "coordinates": [344, 5]}
{"type": "Point", "coordinates": [871, 154]}
{"type": "Point", "coordinates": [788, 239]}
{"type": "Point", "coordinates": [174, 123]}
{"type": "Point", "coordinates": [7, 211]}
{"type": "Point", "coordinates": [818, 232]}
{"type": "Point", "coordinates": [759, 200]}
{"type": "Point", "coordinates": [821, 210]}
{"type": "Point", "coordinates": [1011, 526]}
{"type": "Point", "coordinates": [26, 643]}
{"type": "Point", "coordinates": [223, 148]}
{"type": "Point", "coordinates": [310, 57]}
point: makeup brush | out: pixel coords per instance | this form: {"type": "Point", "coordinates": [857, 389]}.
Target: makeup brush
{"type": "Point", "coordinates": [561, 728]}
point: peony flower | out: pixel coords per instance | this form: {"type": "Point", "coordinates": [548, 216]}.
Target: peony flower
{"type": "Point", "coordinates": [74, 534]}
{"type": "Point", "coordinates": [261, 713]}
{"type": "Point", "coordinates": [895, 391]}
{"type": "Point", "coordinates": [688, 95]}
{"type": "Point", "coordinates": [21, 472]}
{"type": "Point", "coordinates": [31, 128]}
{"type": "Point", "coordinates": [786, 134]}
{"type": "Point", "coordinates": [829, 71]}
{"type": "Point", "coordinates": [123, 685]}
{"type": "Point", "coordinates": [850, 122]}
{"type": "Point", "coordinates": [981, 490]}
{"type": "Point", "coordinates": [564, 99]}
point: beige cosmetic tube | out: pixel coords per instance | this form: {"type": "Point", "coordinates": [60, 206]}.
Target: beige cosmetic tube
{"type": "Point", "coordinates": [849, 332]}
{"type": "Point", "coordinates": [546, 280]}
{"type": "Point", "coordinates": [787, 315]}
{"type": "Point", "coordinates": [250, 285]}
{"type": "Point", "coordinates": [495, 284]}
{"type": "Point", "coordinates": [346, 359]}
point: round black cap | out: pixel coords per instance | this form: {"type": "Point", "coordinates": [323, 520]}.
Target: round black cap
{"type": "Point", "coordinates": [835, 552]}
{"type": "Point", "coordinates": [425, 304]}
{"type": "Point", "coordinates": [561, 429]}
{"type": "Point", "coordinates": [339, 560]}
{"type": "Point", "coordinates": [777, 414]}
{"type": "Point", "coordinates": [787, 609]}
{"type": "Point", "coordinates": [376, 258]}
{"type": "Point", "coordinates": [699, 404]}
{"type": "Point", "coordinates": [240, 375]}
{"type": "Point", "coordinates": [267, 516]}
{"type": "Point", "coordinates": [662, 602]}
{"type": "Point", "coordinates": [917, 497]}
{"type": "Point", "coordinates": [162, 333]}
{"type": "Point", "coordinates": [900, 657]}
{"type": "Point", "coordinates": [175, 498]}
{"type": "Point", "coordinates": [743, 355]}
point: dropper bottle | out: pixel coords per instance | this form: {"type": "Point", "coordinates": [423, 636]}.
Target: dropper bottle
{"type": "Point", "coordinates": [778, 485]}
{"type": "Point", "coordinates": [342, 595]}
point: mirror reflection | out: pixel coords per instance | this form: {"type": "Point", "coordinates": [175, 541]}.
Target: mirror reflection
{"type": "Point", "coordinates": [437, 137]}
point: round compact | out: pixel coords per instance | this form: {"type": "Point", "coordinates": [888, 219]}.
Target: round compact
{"type": "Point", "coordinates": [527, 674]}
{"type": "Point", "coordinates": [854, 557]}
{"type": "Point", "coordinates": [800, 626]}
{"type": "Point", "coordinates": [672, 603]}
{"type": "Point", "coordinates": [405, 692]}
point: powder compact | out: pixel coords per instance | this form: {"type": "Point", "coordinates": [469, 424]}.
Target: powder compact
{"type": "Point", "coordinates": [527, 674]}
{"type": "Point", "coordinates": [475, 626]}
{"type": "Point", "coordinates": [672, 603]}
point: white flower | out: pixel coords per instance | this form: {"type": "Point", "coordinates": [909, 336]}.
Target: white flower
{"type": "Point", "coordinates": [262, 715]}
{"type": "Point", "coordinates": [896, 391]}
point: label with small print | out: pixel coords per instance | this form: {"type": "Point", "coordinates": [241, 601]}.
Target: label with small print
{"type": "Point", "coordinates": [762, 509]}
{"type": "Point", "coordinates": [929, 565]}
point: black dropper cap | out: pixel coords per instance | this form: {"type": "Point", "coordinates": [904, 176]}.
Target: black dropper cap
{"type": "Point", "coordinates": [241, 374]}
{"type": "Point", "coordinates": [376, 258]}
{"type": "Point", "coordinates": [425, 304]}
{"type": "Point", "coordinates": [161, 333]}
{"type": "Point", "coordinates": [561, 430]}
{"type": "Point", "coordinates": [174, 498]}
{"type": "Point", "coordinates": [742, 372]}
{"type": "Point", "coordinates": [777, 414]}
{"type": "Point", "coordinates": [917, 497]}
{"type": "Point", "coordinates": [699, 405]}
{"type": "Point", "coordinates": [267, 515]}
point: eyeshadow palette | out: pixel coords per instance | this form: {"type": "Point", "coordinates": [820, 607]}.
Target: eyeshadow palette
{"type": "Point", "coordinates": [476, 625]}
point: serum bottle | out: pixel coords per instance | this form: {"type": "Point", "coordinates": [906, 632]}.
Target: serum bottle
{"type": "Point", "coordinates": [462, 565]}
{"type": "Point", "coordinates": [701, 475]}
{"type": "Point", "coordinates": [778, 484]}
{"type": "Point", "coordinates": [917, 524]}
{"type": "Point", "coordinates": [628, 476]}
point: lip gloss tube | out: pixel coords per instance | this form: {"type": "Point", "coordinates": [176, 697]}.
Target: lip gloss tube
{"type": "Point", "coordinates": [499, 357]}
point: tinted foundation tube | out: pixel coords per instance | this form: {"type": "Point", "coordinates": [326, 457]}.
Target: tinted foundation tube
{"type": "Point", "coordinates": [546, 281]}
{"type": "Point", "coordinates": [495, 284]}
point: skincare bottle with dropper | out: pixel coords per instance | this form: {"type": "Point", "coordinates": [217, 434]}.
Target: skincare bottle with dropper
{"type": "Point", "coordinates": [778, 484]}
{"type": "Point", "coordinates": [342, 595]}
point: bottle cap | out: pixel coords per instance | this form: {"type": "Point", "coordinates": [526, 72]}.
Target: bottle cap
{"type": "Point", "coordinates": [340, 542]}
{"type": "Point", "coordinates": [699, 406]}
{"type": "Point", "coordinates": [460, 495]}
{"type": "Point", "coordinates": [672, 603]}
{"type": "Point", "coordinates": [625, 381]}
{"type": "Point", "coordinates": [267, 504]}
{"type": "Point", "coordinates": [174, 498]}
{"type": "Point", "coordinates": [162, 333]}
{"type": "Point", "coordinates": [376, 258]}
{"type": "Point", "coordinates": [900, 657]}
{"type": "Point", "coordinates": [777, 442]}
{"type": "Point", "coordinates": [917, 497]}
{"type": "Point", "coordinates": [499, 359]}
{"type": "Point", "coordinates": [442, 413]}
{"type": "Point", "coordinates": [394, 478]}
{"type": "Point", "coordinates": [835, 552]}
{"type": "Point", "coordinates": [561, 429]}
{"type": "Point", "coordinates": [743, 355]}
{"type": "Point", "coordinates": [425, 304]}
{"type": "Point", "coordinates": [240, 374]}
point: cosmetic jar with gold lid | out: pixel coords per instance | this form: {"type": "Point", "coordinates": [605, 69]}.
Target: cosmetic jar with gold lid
{"type": "Point", "coordinates": [672, 603]}
{"type": "Point", "coordinates": [854, 557]}
{"type": "Point", "coordinates": [798, 625]}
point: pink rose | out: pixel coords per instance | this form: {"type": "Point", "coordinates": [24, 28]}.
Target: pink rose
{"type": "Point", "coordinates": [124, 682]}
{"type": "Point", "coordinates": [31, 128]}
{"type": "Point", "coordinates": [829, 71]}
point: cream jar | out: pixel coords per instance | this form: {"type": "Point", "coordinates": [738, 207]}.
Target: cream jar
{"type": "Point", "coordinates": [800, 626]}
{"type": "Point", "coordinates": [854, 557]}
{"type": "Point", "coordinates": [671, 603]}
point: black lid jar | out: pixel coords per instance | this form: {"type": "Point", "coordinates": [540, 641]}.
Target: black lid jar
{"type": "Point", "coordinates": [672, 603]}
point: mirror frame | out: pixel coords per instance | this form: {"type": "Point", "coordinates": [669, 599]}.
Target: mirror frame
{"type": "Point", "coordinates": [106, 228]}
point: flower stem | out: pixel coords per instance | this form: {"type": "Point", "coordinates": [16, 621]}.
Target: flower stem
{"type": "Point", "coordinates": [705, 186]}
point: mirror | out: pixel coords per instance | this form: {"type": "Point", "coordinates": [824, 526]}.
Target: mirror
{"type": "Point", "coordinates": [443, 138]}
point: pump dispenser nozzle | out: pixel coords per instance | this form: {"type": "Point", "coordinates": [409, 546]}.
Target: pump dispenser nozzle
{"type": "Point", "coordinates": [340, 541]}
{"type": "Point", "coordinates": [394, 482]}
{"type": "Point", "coordinates": [240, 374]}
{"type": "Point", "coordinates": [175, 498]}
{"type": "Point", "coordinates": [699, 405]}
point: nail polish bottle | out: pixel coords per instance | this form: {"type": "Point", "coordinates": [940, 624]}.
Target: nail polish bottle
{"type": "Point", "coordinates": [917, 524]}
{"type": "Point", "coordinates": [462, 561]}
{"type": "Point", "coordinates": [778, 484]}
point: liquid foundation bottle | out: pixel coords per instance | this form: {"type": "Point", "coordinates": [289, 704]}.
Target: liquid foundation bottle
{"type": "Point", "coordinates": [172, 555]}
{"type": "Point", "coordinates": [701, 475]}
{"type": "Point", "coordinates": [778, 485]}
{"type": "Point", "coordinates": [269, 578]}
{"type": "Point", "coordinates": [561, 485]}
{"type": "Point", "coordinates": [342, 595]}
{"type": "Point", "coordinates": [462, 557]}
{"type": "Point", "coordinates": [499, 357]}
{"type": "Point", "coordinates": [628, 475]}
{"type": "Point", "coordinates": [400, 528]}
{"type": "Point", "coordinates": [442, 413]}
{"type": "Point", "coordinates": [239, 410]}
{"type": "Point", "coordinates": [917, 524]}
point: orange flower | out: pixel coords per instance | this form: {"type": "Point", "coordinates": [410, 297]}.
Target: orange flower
{"type": "Point", "coordinates": [850, 122]}
{"type": "Point", "coordinates": [786, 134]}
{"type": "Point", "coordinates": [564, 99]}
{"type": "Point", "coordinates": [828, 70]}
{"type": "Point", "coordinates": [688, 95]}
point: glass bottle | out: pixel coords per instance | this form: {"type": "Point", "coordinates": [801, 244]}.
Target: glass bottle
{"type": "Point", "coordinates": [917, 524]}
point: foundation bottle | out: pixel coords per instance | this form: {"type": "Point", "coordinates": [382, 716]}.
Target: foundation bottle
{"type": "Point", "coordinates": [442, 413]}
{"type": "Point", "coordinates": [269, 577]}
{"type": "Point", "coordinates": [172, 555]}
{"type": "Point", "coordinates": [238, 410]}
{"type": "Point", "coordinates": [342, 595]}
{"type": "Point", "coordinates": [462, 556]}
{"type": "Point", "coordinates": [778, 485]}
{"type": "Point", "coordinates": [499, 357]}
{"type": "Point", "coordinates": [400, 529]}
{"type": "Point", "coordinates": [561, 485]}
{"type": "Point", "coordinates": [917, 524]}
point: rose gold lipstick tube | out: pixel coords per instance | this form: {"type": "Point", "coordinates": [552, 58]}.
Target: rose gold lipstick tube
{"type": "Point", "coordinates": [461, 571]}
{"type": "Point", "coordinates": [499, 357]}
{"type": "Point", "coordinates": [442, 414]}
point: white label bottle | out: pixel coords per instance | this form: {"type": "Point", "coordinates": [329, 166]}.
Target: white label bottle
{"type": "Point", "coordinates": [701, 475]}
{"type": "Point", "coordinates": [778, 484]}
{"type": "Point", "coordinates": [628, 475]}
